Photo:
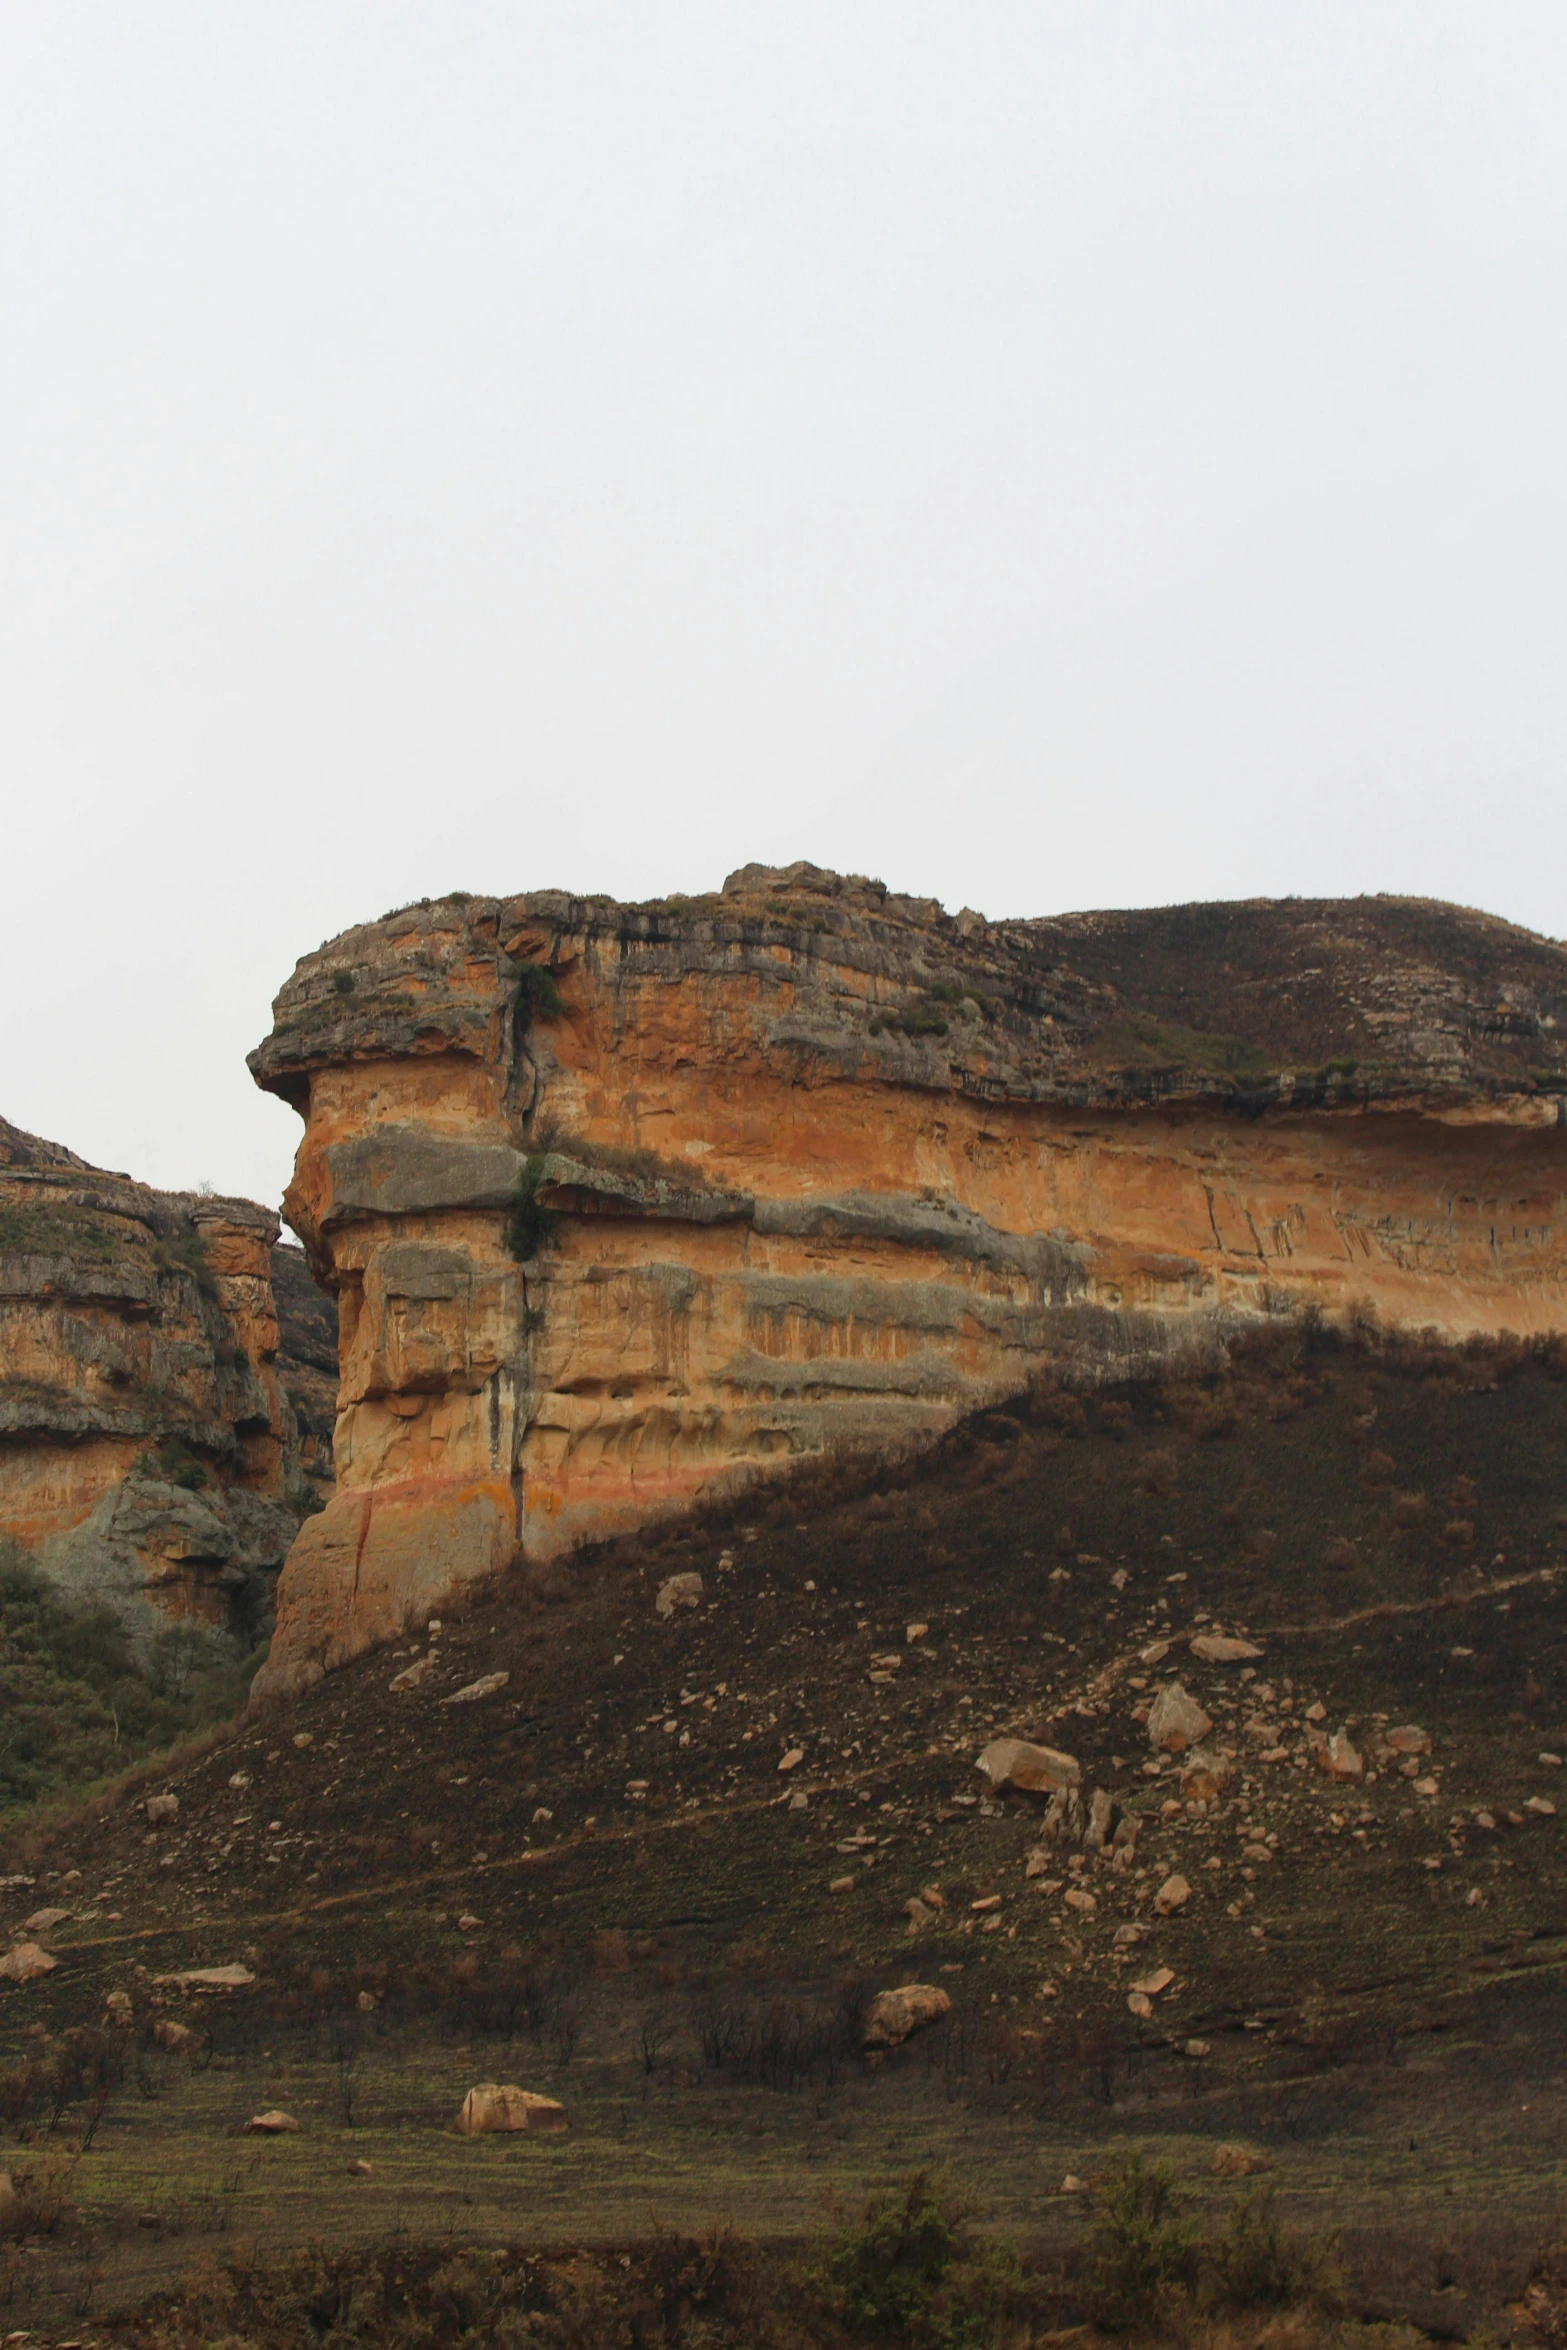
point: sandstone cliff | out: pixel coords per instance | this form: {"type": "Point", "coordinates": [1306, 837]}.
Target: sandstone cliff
{"type": "Point", "coordinates": [621, 1202]}
{"type": "Point", "coordinates": [148, 1456]}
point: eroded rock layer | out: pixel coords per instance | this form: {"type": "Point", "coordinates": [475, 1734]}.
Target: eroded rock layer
{"type": "Point", "coordinates": [149, 1458]}
{"type": "Point", "coordinates": [621, 1201]}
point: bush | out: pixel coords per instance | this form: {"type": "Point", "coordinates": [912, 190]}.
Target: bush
{"type": "Point", "coordinates": [1142, 2247]}
{"type": "Point", "coordinates": [909, 2270]}
{"type": "Point", "coordinates": [1259, 2263]}
{"type": "Point", "coordinates": [529, 1225]}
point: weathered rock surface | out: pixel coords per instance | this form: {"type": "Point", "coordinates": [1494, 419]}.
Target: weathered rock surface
{"type": "Point", "coordinates": [622, 1204]}
{"type": "Point", "coordinates": [149, 1457]}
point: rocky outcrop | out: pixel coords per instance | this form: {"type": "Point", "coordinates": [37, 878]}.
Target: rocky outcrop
{"type": "Point", "coordinates": [149, 1459]}
{"type": "Point", "coordinates": [622, 1203]}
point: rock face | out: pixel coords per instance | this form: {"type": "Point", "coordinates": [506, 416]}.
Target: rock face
{"type": "Point", "coordinates": [623, 1203]}
{"type": "Point", "coordinates": [149, 1458]}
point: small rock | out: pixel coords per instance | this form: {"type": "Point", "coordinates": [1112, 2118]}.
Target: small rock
{"type": "Point", "coordinates": [1316, 1711]}
{"type": "Point", "coordinates": [270, 2125]}
{"type": "Point", "coordinates": [1084, 1903]}
{"type": "Point", "coordinates": [239, 1780]}
{"type": "Point", "coordinates": [118, 2012]}
{"type": "Point", "coordinates": [1216, 1648]}
{"type": "Point", "coordinates": [1197, 2048]}
{"type": "Point", "coordinates": [1152, 1984]}
{"type": "Point", "coordinates": [468, 1923]}
{"type": "Point", "coordinates": [1238, 2162]}
{"type": "Point", "coordinates": [161, 1808]}
{"type": "Point", "coordinates": [799, 1800]}
{"type": "Point", "coordinates": [986, 1903]}
{"type": "Point", "coordinates": [71, 1882]}
{"type": "Point", "coordinates": [793, 1759]}
{"type": "Point", "coordinates": [1205, 1776]}
{"type": "Point", "coordinates": [1172, 1895]}
{"type": "Point", "coordinates": [542, 1814]}
{"type": "Point", "coordinates": [486, 1686]}
{"type": "Point", "coordinates": [1552, 1761]}
{"type": "Point", "coordinates": [1426, 1787]}
{"type": "Point", "coordinates": [433, 1628]}
{"type": "Point", "coordinates": [1155, 1653]}
{"type": "Point", "coordinates": [1140, 2004]}
{"type": "Point", "coordinates": [1542, 1806]}
{"type": "Point", "coordinates": [1034, 1770]}
{"type": "Point", "coordinates": [913, 1632]}
{"type": "Point", "coordinates": [1073, 2185]}
{"type": "Point", "coordinates": [680, 1591]}
{"type": "Point", "coordinates": [1408, 1738]}
{"type": "Point", "coordinates": [893, 2016]}
{"type": "Point", "coordinates": [502, 2107]}
{"type": "Point", "coordinates": [42, 1919]}
{"type": "Point", "coordinates": [369, 2001]}
{"type": "Point", "coordinates": [174, 2037]}
{"type": "Point", "coordinates": [1128, 1936]}
{"type": "Point", "coordinates": [304, 1738]}
{"type": "Point", "coordinates": [360, 2170]}
{"type": "Point", "coordinates": [25, 1962]}
{"type": "Point", "coordinates": [1176, 1721]}
{"type": "Point", "coordinates": [919, 1914]}
{"type": "Point", "coordinates": [410, 1676]}
{"type": "Point", "coordinates": [841, 1885]}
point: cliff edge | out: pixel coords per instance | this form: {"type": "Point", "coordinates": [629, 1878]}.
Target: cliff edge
{"type": "Point", "coordinates": [623, 1203]}
{"type": "Point", "coordinates": [149, 1457]}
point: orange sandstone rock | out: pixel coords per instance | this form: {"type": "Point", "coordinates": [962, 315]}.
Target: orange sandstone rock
{"type": "Point", "coordinates": [623, 1205]}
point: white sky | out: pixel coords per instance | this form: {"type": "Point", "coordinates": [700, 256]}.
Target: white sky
{"type": "Point", "coordinates": [1044, 455]}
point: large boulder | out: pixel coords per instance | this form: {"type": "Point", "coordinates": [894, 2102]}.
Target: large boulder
{"type": "Point", "coordinates": [24, 1962]}
{"type": "Point", "coordinates": [493, 2106]}
{"type": "Point", "coordinates": [1176, 1721]}
{"type": "Point", "coordinates": [894, 2016]}
{"type": "Point", "coordinates": [1034, 1770]}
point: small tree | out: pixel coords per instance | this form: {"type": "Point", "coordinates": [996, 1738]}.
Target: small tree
{"type": "Point", "coordinates": [1142, 2246]}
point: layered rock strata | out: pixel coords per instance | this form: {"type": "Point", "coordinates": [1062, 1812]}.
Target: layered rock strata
{"type": "Point", "coordinates": [149, 1459]}
{"type": "Point", "coordinates": [622, 1203]}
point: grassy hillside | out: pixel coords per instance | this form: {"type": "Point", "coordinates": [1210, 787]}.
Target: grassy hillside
{"type": "Point", "coordinates": [598, 1880]}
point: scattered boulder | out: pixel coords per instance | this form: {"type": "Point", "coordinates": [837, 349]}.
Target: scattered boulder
{"type": "Point", "coordinates": [118, 2012]}
{"type": "Point", "coordinates": [1033, 1770]}
{"type": "Point", "coordinates": [1219, 1648]}
{"type": "Point", "coordinates": [1409, 1738]}
{"type": "Point", "coordinates": [1206, 1776]}
{"type": "Point", "coordinates": [679, 1591]}
{"type": "Point", "coordinates": [793, 1759]}
{"type": "Point", "coordinates": [411, 1675]}
{"type": "Point", "coordinates": [1176, 1721]}
{"type": "Point", "coordinates": [1140, 2004]}
{"type": "Point", "coordinates": [496, 2106]}
{"type": "Point", "coordinates": [42, 1919]}
{"type": "Point", "coordinates": [1085, 1904]}
{"type": "Point", "coordinates": [1073, 2185]}
{"type": "Point", "coordinates": [207, 1978]}
{"type": "Point", "coordinates": [175, 2037]}
{"type": "Point", "coordinates": [1152, 1984]}
{"type": "Point", "coordinates": [274, 2124]}
{"type": "Point", "coordinates": [1238, 2162]}
{"type": "Point", "coordinates": [486, 1686]}
{"type": "Point", "coordinates": [361, 2170]}
{"type": "Point", "coordinates": [161, 1809]}
{"type": "Point", "coordinates": [25, 1962]}
{"type": "Point", "coordinates": [1339, 1757]}
{"type": "Point", "coordinates": [1172, 1895]}
{"type": "Point", "coordinates": [893, 2016]}
{"type": "Point", "coordinates": [1101, 1816]}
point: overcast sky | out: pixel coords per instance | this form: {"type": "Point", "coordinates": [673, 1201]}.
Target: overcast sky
{"type": "Point", "coordinates": [1045, 455]}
